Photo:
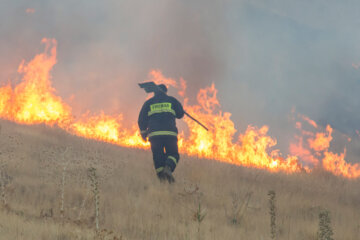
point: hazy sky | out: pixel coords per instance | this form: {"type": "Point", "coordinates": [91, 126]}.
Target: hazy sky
{"type": "Point", "coordinates": [265, 57]}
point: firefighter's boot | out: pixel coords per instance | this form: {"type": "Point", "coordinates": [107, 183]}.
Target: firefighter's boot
{"type": "Point", "coordinates": [168, 174]}
{"type": "Point", "coordinates": [162, 177]}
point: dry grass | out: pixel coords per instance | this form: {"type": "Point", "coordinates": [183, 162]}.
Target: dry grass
{"type": "Point", "coordinates": [135, 205]}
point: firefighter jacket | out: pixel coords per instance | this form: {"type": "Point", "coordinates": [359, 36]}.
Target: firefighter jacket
{"type": "Point", "coordinates": [157, 115]}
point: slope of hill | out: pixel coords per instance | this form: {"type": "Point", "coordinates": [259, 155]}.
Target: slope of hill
{"type": "Point", "coordinates": [46, 193]}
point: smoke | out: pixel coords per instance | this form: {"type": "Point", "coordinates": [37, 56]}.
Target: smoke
{"type": "Point", "coordinates": [106, 47]}
{"type": "Point", "coordinates": [294, 54]}
{"type": "Point", "coordinates": [265, 58]}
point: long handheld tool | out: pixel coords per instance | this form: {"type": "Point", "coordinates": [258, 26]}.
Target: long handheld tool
{"type": "Point", "coordinates": [152, 87]}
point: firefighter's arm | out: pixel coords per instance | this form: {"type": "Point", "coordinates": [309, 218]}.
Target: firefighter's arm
{"type": "Point", "coordinates": [143, 121]}
{"type": "Point", "coordinates": [179, 110]}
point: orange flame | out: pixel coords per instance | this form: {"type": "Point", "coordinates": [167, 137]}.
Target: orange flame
{"type": "Point", "coordinates": [336, 164]}
{"type": "Point", "coordinates": [298, 149]}
{"type": "Point", "coordinates": [309, 121]}
{"type": "Point", "coordinates": [109, 129]}
{"type": "Point", "coordinates": [157, 77]}
{"type": "Point", "coordinates": [322, 140]}
{"type": "Point", "coordinates": [318, 148]}
{"type": "Point", "coordinates": [251, 149]}
{"type": "Point", "coordinates": [34, 101]}
{"type": "Point", "coordinates": [182, 87]}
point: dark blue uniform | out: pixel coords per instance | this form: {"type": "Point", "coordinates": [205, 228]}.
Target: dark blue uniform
{"type": "Point", "coordinates": [157, 121]}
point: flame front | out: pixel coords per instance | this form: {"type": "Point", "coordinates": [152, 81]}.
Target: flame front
{"type": "Point", "coordinates": [317, 151]}
{"type": "Point", "coordinates": [109, 129]}
{"type": "Point", "coordinates": [252, 148]}
{"type": "Point", "coordinates": [33, 101]}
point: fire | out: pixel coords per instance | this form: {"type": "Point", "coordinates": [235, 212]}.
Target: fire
{"type": "Point", "coordinates": [100, 127]}
{"type": "Point", "coordinates": [317, 150]}
{"type": "Point", "coordinates": [298, 149]}
{"type": "Point", "coordinates": [157, 77]}
{"type": "Point", "coordinates": [336, 164]}
{"type": "Point", "coordinates": [322, 140]}
{"type": "Point", "coordinates": [107, 128]}
{"type": "Point", "coordinates": [34, 101]}
{"type": "Point", "coordinates": [309, 121]}
{"type": "Point", "coordinates": [253, 148]}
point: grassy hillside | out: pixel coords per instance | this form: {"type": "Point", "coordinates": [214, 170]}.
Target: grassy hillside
{"type": "Point", "coordinates": [46, 194]}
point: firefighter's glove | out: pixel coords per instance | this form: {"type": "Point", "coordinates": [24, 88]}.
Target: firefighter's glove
{"type": "Point", "coordinates": [144, 135]}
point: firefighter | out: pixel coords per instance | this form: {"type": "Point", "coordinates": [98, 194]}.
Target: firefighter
{"type": "Point", "coordinates": [157, 122]}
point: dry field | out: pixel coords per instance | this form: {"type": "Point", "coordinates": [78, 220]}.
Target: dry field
{"type": "Point", "coordinates": [46, 193]}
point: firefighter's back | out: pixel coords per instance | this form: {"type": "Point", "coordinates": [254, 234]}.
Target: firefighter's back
{"type": "Point", "coordinates": [162, 112]}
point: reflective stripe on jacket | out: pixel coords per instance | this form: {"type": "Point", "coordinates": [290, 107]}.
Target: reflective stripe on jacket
{"type": "Point", "coordinates": [157, 115]}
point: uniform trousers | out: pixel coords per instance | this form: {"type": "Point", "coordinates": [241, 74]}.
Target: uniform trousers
{"type": "Point", "coordinates": [165, 152]}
